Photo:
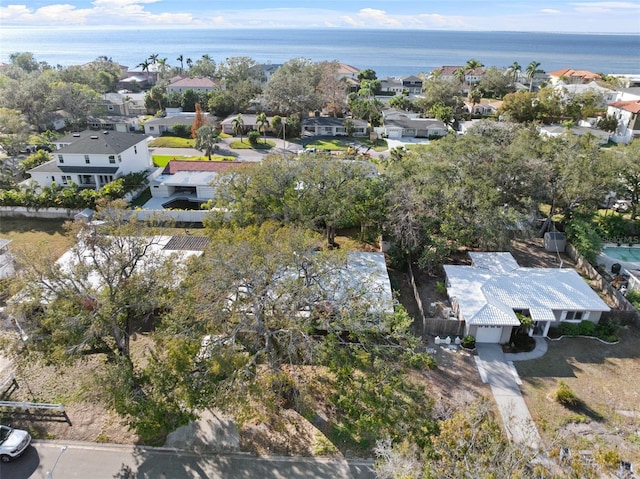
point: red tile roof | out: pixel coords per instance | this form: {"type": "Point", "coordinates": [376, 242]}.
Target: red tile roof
{"type": "Point", "coordinates": [632, 105]}
{"type": "Point", "coordinates": [570, 72]}
{"type": "Point", "coordinates": [174, 166]}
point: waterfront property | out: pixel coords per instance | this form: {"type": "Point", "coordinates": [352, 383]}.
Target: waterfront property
{"type": "Point", "coordinates": [488, 294]}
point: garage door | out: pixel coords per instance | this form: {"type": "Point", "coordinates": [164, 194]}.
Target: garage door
{"type": "Point", "coordinates": [488, 334]}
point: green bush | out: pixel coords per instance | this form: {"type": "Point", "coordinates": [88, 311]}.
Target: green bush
{"type": "Point", "coordinates": [183, 131]}
{"type": "Point", "coordinates": [607, 329]}
{"type": "Point", "coordinates": [565, 396]}
{"type": "Point", "coordinates": [468, 342]}
{"type": "Point", "coordinates": [633, 297]}
{"type": "Point", "coordinates": [420, 360]}
{"type": "Point", "coordinates": [253, 136]}
{"type": "Point", "coordinates": [569, 329]}
{"type": "Point", "coordinates": [584, 237]}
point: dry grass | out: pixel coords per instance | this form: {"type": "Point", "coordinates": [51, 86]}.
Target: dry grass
{"type": "Point", "coordinates": [35, 233]}
{"type": "Point", "coordinates": [604, 378]}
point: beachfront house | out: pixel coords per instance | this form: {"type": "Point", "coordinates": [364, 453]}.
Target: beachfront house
{"type": "Point", "coordinates": [627, 112]}
{"type": "Point", "coordinates": [91, 159]}
{"type": "Point", "coordinates": [487, 295]}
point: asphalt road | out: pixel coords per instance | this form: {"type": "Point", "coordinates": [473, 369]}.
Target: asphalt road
{"type": "Point", "coordinates": [98, 461]}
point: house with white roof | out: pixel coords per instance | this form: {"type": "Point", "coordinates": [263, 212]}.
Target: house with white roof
{"type": "Point", "coordinates": [488, 294]}
{"type": "Point", "coordinates": [397, 125]}
{"type": "Point", "coordinates": [91, 159]}
{"type": "Point", "coordinates": [199, 84]}
{"type": "Point", "coordinates": [627, 112]}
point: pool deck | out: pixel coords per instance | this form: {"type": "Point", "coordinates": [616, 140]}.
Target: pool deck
{"type": "Point", "coordinates": [628, 267]}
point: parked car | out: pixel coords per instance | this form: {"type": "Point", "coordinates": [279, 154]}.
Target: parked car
{"type": "Point", "coordinates": [13, 442]}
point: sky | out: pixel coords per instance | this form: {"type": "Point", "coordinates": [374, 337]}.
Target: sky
{"type": "Point", "coordinates": [582, 16]}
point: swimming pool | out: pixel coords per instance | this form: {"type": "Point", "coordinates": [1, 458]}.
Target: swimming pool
{"type": "Point", "coordinates": [627, 254]}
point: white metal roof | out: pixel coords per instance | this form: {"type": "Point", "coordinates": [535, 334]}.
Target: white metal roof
{"type": "Point", "coordinates": [488, 295]}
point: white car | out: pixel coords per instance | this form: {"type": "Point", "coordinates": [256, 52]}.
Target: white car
{"type": "Point", "coordinates": [13, 442]}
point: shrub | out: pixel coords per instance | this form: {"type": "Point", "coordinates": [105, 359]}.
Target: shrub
{"type": "Point", "coordinates": [569, 329]}
{"type": "Point", "coordinates": [607, 458]}
{"type": "Point", "coordinates": [468, 342]}
{"type": "Point", "coordinates": [585, 238]}
{"type": "Point", "coordinates": [183, 131]}
{"type": "Point", "coordinates": [607, 329]}
{"type": "Point", "coordinates": [565, 396]}
{"type": "Point", "coordinates": [441, 287]}
{"type": "Point", "coordinates": [253, 136]}
{"type": "Point", "coordinates": [633, 297]}
{"type": "Point", "coordinates": [420, 360]}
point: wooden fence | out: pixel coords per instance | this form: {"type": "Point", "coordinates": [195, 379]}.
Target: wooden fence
{"type": "Point", "coordinates": [436, 325]}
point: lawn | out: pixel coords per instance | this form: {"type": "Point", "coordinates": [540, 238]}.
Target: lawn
{"type": "Point", "coordinates": [162, 160]}
{"type": "Point", "coordinates": [245, 144]}
{"type": "Point", "coordinates": [600, 375]}
{"type": "Point", "coordinates": [35, 233]}
{"type": "Point", "coordinates": [171, 142]}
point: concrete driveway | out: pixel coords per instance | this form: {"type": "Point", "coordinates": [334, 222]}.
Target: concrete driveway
{"type": "Point", "coordinates": [503, 378]}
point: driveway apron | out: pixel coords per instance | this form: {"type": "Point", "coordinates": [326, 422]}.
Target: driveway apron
{"type": "Point", "coordinates": [502, 377]}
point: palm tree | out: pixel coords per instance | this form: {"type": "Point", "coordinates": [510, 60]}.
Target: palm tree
{"type": "Point", "coordinates": [181, 60]}
{"type": "Point", "coordinates": [472, 64]}
{"type": "Point", "coordinates": [276, 124]}
{"type": "Point", "coordinates": [459, 74]}
{"type": "Point", "coordinates": [189, 62]}
{"type": "Point", "coordinates": [514, 71]}
{"type": "Point", "coordinates": [238, 126]}
{"type": "Point", "coordinates": [145, 66]}
{"type": "Point", "coordinates": [475, 96]}
{"type": "Point", "coordinates": [206, 139]}
{"type": "Point", "coordinates": [262, 123]}
{"type": "Point", "coordinates": [531, 71]}
{"type": "Point", "coordinates": [154, 57]}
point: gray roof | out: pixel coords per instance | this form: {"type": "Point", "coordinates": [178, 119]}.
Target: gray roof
{"type": "Point", "coordinates": [48, 167]}
{"type": "Point", "coordinates": [102, 143]}
{"type": "Point", "coordinates": [172, 120]}
{"type": "Point", "coordinates": [416, 123]}
{"type": "Point", "coordinates": [88, 169]}
{"type": "Point", "coordinates": [331, 121]}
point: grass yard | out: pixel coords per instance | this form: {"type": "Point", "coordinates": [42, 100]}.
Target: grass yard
{"type": "Point", "coordinates": [604, 378]}
{"type": "Point", "coordinates": [35, 233]}
{"type": "Point", "coordinates": [171, 142]}
{"type": "Point", "coordinates": [162, 160]}
{"type": "Point", "coordinates": [245, 144]}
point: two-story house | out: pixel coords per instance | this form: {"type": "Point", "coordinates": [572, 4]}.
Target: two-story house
{"type": "Point", "coordinates": [197, 84]}
{"type": "Point", "coordinates": [92, 159]}
{"type": "Point", "coordinates": [570, 76]}
{"type": "Point", "coordinates": [409, 84]}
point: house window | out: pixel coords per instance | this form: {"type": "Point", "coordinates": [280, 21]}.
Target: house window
{"type": "Point", "coordinates": [574, 316]}
{"type": "Point", "coordinates": [66, 179]}
{"type": "Point", "coordinates": [60, 159]}
{"type": "Point", "coordinates": [112, 159]}
{"type": "Point", "coordinates": [53, 178]}
{"type": "Point", "coordinates": [152, 128]}
{"type": "Point", "coordinates": [86, 159]}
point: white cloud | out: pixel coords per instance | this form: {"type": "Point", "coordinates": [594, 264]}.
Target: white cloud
{"type": "Point", "coordinates": [549, 10]}
{"type": "Point", "coordinates": [378, 18]}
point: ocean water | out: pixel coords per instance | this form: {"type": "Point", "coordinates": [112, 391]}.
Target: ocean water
{"type": "Point", "coordinates": [388, 52]}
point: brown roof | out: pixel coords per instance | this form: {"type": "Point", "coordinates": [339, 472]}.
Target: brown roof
{"type": "Point", "coordinates": [174, 166]}
{"type": "Point", "coordinates": [632, 105]}
{"type": "Point", "coordinates": [187, 243]}
{"type": "Point", "coordinates": [196, 82]}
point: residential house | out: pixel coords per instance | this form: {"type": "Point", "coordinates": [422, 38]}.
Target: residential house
{"type": "Point", "coordinates": [411, 85]}
{"type": "Point", "coordinates": [92, 159]}
{"type": "Point", "coordinates": [160, 126]}
{"type": "Point", "coordinates": [488, 294]}
{"type": "Point", "coordinates": [124, 103]}
{"type": "Point", "coordinates": [250, 121]}
{"type": "Point", "coordinates": [628, 115]}
{"type": "Point", "coordinates": [569, 90]}
{"type": "Point", "coordinates": [189, 180]}
{"type": "Point", "coordinates": [402, 125]}
{"type": "Point", "coordinates": [264, 71]}
{"type": "Point", "coordinates": [330, 126]}
{"type": "Point", "coordinates": [197, 84]}
{"type": "Point", "coordinates": [486, 107]}
{"type": "Point", "coordinates": [602, 137]}
{"type": "Point", "coordinates": [472, 76]}
{"type": "Point", "coordinates": [571, 76]}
